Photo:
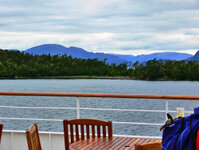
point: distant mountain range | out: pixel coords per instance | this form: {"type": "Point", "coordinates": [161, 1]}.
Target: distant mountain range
{"type": "Point", "coordinates": [75, 52]}
{"type": "Point", "coordinates": [163, 56]}
{"type": "Point", "coordinates": [195, 57]}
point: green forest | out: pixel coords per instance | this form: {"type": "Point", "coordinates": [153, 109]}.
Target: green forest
{"type": "Point", "coordinates": [15, 64]}
{"type": "Point", "coordinates": [18, 64]}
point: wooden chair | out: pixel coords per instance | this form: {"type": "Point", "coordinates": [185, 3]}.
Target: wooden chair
{"type": "Point", "coordinates": [149, 146]}
{"type": "Point", "coordinates": [1, 130]}
{"type": "Point", "coordinates": [85, 123]}
{"type": "Point", "coordinates": [33, 139]}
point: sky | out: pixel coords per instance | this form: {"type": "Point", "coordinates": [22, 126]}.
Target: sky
{"type": "Point", "coordinates": [109, 26]}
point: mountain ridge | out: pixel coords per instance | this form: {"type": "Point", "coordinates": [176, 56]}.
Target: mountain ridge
{"type": "Point", "coordinates": [163, 56]}
{"type": "Point", "coordinates": [195, 57]}
{"type": "Point", "coordinates": [76, 52]}
{"type": "Point", "coordinates": [55, 49]}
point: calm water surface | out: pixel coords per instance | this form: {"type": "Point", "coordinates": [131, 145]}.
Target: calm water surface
{"type": "Point", "coordinates": [94, 86]}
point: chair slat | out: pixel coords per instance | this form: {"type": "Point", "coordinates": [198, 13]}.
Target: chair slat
{"type": "Point", "coordinates": [87, 131]}
{"type": "Point", "coordinates": [104, 131]}
{"type": "Point", "coordinates": [110, 129]}
{"type": "Point", "coordinates": [82, 132]}
{"type": "Point", "coordinates": [98, 131]}
{"type": "Point", "coordinates": [71, 133]}
{"type": "Point", "coordinates": [77, 132]}
{"type": "Point", "coordinates": [93, 131]}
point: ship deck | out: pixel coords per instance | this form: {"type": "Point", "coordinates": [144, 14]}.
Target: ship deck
{"type": "Point", "coordinates": [16, 140]}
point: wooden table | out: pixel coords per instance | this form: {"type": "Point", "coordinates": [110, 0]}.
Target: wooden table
{"type": "Point", "coordinates": [116, 143]}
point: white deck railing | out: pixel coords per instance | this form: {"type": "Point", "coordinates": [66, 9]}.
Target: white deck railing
{"type": "Point", "coordinates": [78, 108]}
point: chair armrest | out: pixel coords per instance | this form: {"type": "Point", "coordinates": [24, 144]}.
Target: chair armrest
{"type": "Point", "coordinates": [1, 130]}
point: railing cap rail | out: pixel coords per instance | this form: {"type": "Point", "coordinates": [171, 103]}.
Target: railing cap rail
{"type": "Point", "coordinates": [57, 94]}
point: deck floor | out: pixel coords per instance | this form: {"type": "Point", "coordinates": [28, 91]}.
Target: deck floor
{"type": "Point", "coordinates": [116, 143]}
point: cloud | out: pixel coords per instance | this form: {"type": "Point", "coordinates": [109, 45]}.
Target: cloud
{"type": "Point", "coordinates": [25, 40]}
{"type": "Point", "coordinates": [101, 25]}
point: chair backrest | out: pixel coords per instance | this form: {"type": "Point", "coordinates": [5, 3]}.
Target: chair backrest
{"type": "Point", "coordinates": [149, 146]}
{"type": "Point", "coordinates": [1, 130]}
{"type": "Point", "coordinates": [33, 139]}
{"type": "Point", "coordinates": [88, 125]}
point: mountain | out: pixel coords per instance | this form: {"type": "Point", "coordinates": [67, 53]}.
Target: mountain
{"type": "Point", "coordinates": [13, 50]}
{"type": "Point", "coordinates": [195, 57]}
{"type": "Point", "coordinates": [52, 49]}
{"type": "Point", "coordinates": [75, 52]}
{"type": "Point", "coordinates": [126, 57]}
{"type": "Point", "coordinates": [163, 56]}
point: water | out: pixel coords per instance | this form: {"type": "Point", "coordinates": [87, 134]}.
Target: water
{"type": "Point", "coordinates": [94, 86]}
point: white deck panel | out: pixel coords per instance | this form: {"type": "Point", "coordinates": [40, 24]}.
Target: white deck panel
{"type": "Point", "coordinates": [16, 140]}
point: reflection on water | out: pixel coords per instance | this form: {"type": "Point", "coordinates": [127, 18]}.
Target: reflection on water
{"type": "Point", "coordinates": [94, 86]}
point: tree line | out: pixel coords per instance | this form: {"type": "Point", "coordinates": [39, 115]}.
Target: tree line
{"type": "Point", "coordinates": [166, 70]}
{"type": "Point", "coordinates": [19, 64]}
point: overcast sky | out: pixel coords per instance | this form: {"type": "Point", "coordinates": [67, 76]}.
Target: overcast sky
{"type": "Point", "coordinates": [110, 26]}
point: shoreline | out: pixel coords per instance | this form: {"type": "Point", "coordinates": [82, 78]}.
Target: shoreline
{"type": "Point", "coordinates": [68, 77]}
{"type": "Point", "coordinates": [86, 77]}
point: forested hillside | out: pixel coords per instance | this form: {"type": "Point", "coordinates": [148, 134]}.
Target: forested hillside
{"type": "Point", "coordinates": [19, 64]}
{"type": "Point", "coordinates": [167, 70]}
{"type": "Point", "coordinates": [14, 64]}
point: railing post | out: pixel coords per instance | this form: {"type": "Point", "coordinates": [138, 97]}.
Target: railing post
{"type": "Point", "coordinates": [166, 108]}
{"type": "Point", "coordinates": [49, 140]}
{"type": "Point", "coordinates": [12, 140]}
{"type": "Point", "coordinates": [78, 108]}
